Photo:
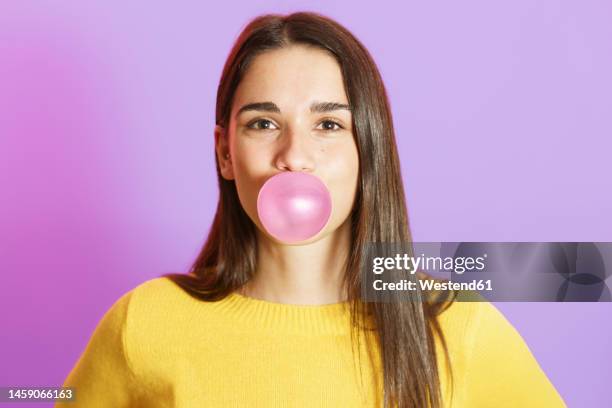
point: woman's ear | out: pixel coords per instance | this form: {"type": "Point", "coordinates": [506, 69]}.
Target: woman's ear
{"type": "Point", "coordinates": [223, 153]}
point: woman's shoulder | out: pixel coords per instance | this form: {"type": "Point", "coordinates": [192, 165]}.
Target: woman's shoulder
{"type": "Point", "coordinates": [162, 315]}
{"type": "Point", "coordinates": [491, 357]}
{"type": "Point", "coordinates": [160, 287]}
{"type": "Point", "coordinates": [161, 297]}
{"type": "Point", "coordinates": [472, 325]}
{"type": "Point", "coordinates": [470, 311]}
{"type": "Point", "coordinates": [139, 301]}
{"type": "Point", "coordinates": [476, 326]}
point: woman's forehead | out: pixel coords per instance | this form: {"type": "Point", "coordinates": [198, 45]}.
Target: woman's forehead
{"type": "Point", "coordinates": [292, 77]}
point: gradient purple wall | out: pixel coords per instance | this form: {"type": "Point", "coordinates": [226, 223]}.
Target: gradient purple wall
{"type": "Point", "coordinates": [503, 118]}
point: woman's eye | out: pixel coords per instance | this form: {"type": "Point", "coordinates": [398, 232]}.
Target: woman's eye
{"type": "Point", "coordinates": [330, 125]}
{"type": "Point", "coordinates": [261, 124]}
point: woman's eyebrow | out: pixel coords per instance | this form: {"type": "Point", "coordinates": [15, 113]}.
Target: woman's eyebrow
{"type": "Point", "coordinates": [316, 107]}
{"type": "Point", "coordinates": [259, 106]}
{"type": "Point", "coordinates": [322, 107]}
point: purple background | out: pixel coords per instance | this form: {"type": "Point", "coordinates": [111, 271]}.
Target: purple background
{"type": "Point", "coordinates": [107, 175]}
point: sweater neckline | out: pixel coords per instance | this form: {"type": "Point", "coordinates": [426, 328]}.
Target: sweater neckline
{"type": "Point", "coordinates": [268, 303]}
{"type": "Point", "coordinates": [267, 316]}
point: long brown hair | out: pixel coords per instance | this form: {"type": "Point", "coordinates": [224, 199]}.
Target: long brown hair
{"type": "Point", "coordinates": [404, 331]}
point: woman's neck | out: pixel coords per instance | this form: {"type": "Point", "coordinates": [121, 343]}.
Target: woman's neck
{"type": "Point", "coordinates": [309, 274]}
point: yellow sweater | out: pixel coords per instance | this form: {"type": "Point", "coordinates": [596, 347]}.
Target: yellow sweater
{"type": "Point", "coordinates": [159, 347]}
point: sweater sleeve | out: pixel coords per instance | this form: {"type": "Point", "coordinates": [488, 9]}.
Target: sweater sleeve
{"type": "Point", "coordinates": [103, 375]}
{"type": "Point", "coordinates": [502, 371]}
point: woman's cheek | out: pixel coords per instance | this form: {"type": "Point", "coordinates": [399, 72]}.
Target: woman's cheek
{"type": "Point", "coordinates": [344, 184]}
{"type": "Point", "coordinates": [247, 186]}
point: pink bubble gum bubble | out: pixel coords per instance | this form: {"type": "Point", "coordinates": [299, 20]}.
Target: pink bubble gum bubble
{"type": "Point", "coordinates": [294, 206]}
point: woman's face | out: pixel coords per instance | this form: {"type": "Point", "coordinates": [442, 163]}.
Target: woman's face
{"type": "Point", "coordinates": [290, 113]}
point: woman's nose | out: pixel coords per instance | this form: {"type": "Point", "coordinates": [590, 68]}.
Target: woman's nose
{"type": "Point", "coordinates": [295, 151]}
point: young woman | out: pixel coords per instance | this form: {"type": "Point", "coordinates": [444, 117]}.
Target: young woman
{"type": "Point", "coordinates": [258, 322]}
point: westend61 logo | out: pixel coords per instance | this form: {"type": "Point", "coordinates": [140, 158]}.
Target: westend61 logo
{"type": "Point", "coordinates": [412, 264]}
{"type": "Point", "coordinates": [498, 271]}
